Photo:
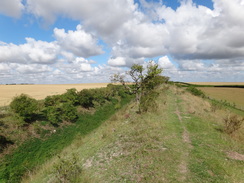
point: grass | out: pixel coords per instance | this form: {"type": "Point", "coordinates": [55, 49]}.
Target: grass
{"type": "Point", "coordinates": [36, 151]}
{"type": "Point", "coordinates": [180, 142]}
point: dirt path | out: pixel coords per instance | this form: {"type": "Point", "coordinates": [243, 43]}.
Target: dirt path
{"type": "Point", "coordinates": [183, 166]}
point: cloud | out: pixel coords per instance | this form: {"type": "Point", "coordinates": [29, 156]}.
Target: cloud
{"type": "Point", "coordinates": [31, 52]}
{"type": "Point", "coordinates": [189, 32]}
{"type": "Point", "coordinates": [118, 61]}
{"type": "Point", "coordinates": [94, 13]}
{"type": "Point", "coordinates": [11, 8]}
{"type": "Point", "coordinates": [165, 63]}
{"type": "Point", "coordinates": [78, 42]}
{"type": "Point", "coordinates": [31, 68]}
{"type": "Point", "coordinates": [190, 35]}
{"type": "Point", "coordinates": [197, 32]}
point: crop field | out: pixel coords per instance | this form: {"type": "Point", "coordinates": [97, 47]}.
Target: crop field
{"type": "Point", "coordinates": [231, 95]}
{"type": "Point", "coordinates": [217, 83]}
{"type": "Point", "coordinates": [40, 91]}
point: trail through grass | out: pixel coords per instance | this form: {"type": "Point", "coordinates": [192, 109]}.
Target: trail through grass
{"type": "Point", "coordinates": [180, 142]}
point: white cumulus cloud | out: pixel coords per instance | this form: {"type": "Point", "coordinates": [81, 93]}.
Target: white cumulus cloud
{"type": "Point", "coordinates": [31, 52]}
{"type": "Point", "coordinates": [78, 42]}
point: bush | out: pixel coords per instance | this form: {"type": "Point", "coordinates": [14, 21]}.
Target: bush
{"type": "Point", "coordinates": [52, 100]}
{"type": "Point", "coordinates": [53, 114]}
{"type": "Point", "coordinates": [25, 106]}
{"type": "Point", "coordinates": [148, 102]}
{"type": "Point", "coordinates": [71, 96]}
{"type": "Point", "coordinates": [69, 112]}
{"type": "Point", "coordinates": [232, 123]}
{"type": "Point", "coordinates": [85, 98]}
{"type": "Point", "coordinates": [193, 90]}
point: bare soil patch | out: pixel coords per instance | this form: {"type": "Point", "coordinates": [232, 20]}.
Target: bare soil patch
{"type": "Point", "coordinates": [235, 156]}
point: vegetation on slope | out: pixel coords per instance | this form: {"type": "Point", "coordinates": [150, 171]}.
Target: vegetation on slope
{"type": "Point", "coordinates": [35, 151]}
{"type": "Point", "coordinates": [183, 141]}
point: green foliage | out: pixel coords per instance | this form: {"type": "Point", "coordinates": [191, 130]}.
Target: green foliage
{"type": "Point", "coordinates": [71, 96]}
{"type": "Point", "coordinates": [148, 102]}
{"type": "Point", "coordinates": [67, 170]}
{"type": "Point", "coordinates": [232, 123]}
{"type": "Point", "coordinates": [144, 83]}
{"type": "Point", "coordinates": [52, 100]}
{"type": "Point", "coordinates": [54, 114]}
{"type": "Point", "coordinates": [85, 98]}
{"type": "Point", "coordinates": [195, 91]}
{"type": "Point", "coordinates": [37, 151]}
{"type": "Point", "coordinates": [69, 112]}
{"type": "Point", "coordinates": [24, 106]}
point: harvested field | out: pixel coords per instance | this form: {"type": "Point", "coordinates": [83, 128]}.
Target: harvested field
{"type": "Point", "coordinates": [40, 91]}
{"type": "Point", "coordinates": [231, 95]}
{"type": "Point", "coordinates": [217, 83]}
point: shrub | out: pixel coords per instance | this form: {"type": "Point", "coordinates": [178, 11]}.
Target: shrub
{"type": "Point", "coordinates": [24, 106]}
{"type": "Point", "coordinates": [52, 100]}
{"type": "Point", "coordinates": [148, 102]}
{"type": "Point", "coordinates": [85, 98]}
{"type": "Point", "coordinates": [193, 90]}
{"type": "Point", "coordinates": [232, 123]}
{"type": "Point", "coordinates": [71, 96]}
{"type": "Point", "coordinates": [69, 112]}
{"type": "Point", "coordinates": [53, 114]}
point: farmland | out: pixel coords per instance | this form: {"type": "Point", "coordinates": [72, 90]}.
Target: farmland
{"type": "Point", "coordinates": [217, 83]}
{"type": "Point", "coordinates": [40, 91]}
{"type": "Point", "coordinates": [231, 95]}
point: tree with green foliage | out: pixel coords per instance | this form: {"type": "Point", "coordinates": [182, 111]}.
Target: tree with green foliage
{"type": "Point", "coordinates": [25, 106]}
{"type": "Point", "coordinates": [144, 83]}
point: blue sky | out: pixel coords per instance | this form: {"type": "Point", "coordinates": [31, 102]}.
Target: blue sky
{"type": "Point", "coordinates": [80, 41]}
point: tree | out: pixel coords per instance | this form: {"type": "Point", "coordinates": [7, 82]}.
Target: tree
{"type": "Point", "coordinates": [144, 82]}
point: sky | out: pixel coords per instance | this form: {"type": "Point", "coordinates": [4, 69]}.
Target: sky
{"type": "Point", "coordinates": [87, 41]}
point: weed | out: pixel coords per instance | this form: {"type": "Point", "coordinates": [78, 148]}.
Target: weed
{"type": "Point", "coordinates": [232, 123]}
{"type": "Point", "coordinates": [67, 169]}
{"type": "Point", "coordinates": [215, 105]}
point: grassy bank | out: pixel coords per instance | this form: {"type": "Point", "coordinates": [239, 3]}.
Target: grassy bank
{"type": "Point", "coordinates": [36, 151]}
{"type": "Point", "coordinates": [183, 141]}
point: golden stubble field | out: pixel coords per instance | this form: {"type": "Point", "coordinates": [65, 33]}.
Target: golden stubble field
{"type": "Point", "coordinates": [7, 92]}
{"type": "Point", "coordinates": [217, 83]}
{"type": "Point", "coordinates": [231, 95]}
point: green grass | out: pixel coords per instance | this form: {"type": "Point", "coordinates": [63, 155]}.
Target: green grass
{"type": "Point", "coordinates": [36, 151]}
{"type": "Point", "coordinates": [180, 142]}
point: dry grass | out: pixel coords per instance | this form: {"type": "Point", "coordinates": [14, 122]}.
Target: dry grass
{"type": "Point", "coordinates": [217, 83]}
{"type": "Point", "coordinates": [40, 91]}
{"type": "Point", "coordinates": [231, 95]}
